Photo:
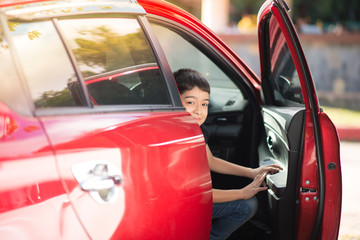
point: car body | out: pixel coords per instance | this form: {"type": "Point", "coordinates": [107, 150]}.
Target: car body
{"type": "Point", "coordinates": [95, 144]}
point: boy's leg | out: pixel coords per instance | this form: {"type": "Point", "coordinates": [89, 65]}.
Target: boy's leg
{"type": "Point", "coordinates": [229, 216]}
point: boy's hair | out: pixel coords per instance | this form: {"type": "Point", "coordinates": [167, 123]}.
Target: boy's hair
{"type": "Point", "coordinates": [187, 79]}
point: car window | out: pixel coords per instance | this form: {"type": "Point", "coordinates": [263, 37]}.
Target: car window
{"type": "Point", "coordinates": [284, 80]}
{"type": "Point", "coordinates": [45, 63]}
{"type": "Point", "coordinates": [225, 95]}
{"type": "Point", "coordinates": [115, 60]}
{"type": "Point", "coordinates": [9, 83]}
{"type": "Point", "coordinates": [112, 54]}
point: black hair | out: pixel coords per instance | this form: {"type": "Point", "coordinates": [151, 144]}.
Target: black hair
{"type": "Point", "coordinates": [186, 79]}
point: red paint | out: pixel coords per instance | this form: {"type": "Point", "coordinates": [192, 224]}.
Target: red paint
{"type": "Point", "coordinates": [333, 187]}
{"type": "Point", "coordinates": [110, 77]}
{"type": "Point", "coordinates": [165, 172]}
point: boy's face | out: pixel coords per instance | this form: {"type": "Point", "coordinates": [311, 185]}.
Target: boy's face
{"type": "Point", "coordinates": [196, 102]}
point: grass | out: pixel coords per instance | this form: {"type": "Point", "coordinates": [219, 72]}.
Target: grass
{"type": "Point", "coordinates": [343, 117]}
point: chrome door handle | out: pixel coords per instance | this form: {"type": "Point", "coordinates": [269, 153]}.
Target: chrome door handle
{"type": "Point", "coordinates": [99, 178]}
{"type": "Point", "coordinates": [98, 184]}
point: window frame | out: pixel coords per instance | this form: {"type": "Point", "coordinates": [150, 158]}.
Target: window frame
{"type": "Point", "coordinates": [26, 109]}
{"type": "Point", "coordinates": [212, 53]}
{"type": "Point", "coordinates": [267, 89]}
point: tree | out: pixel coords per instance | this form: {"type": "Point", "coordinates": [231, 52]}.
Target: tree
{"type": "Point", "coordinates": [331, 11]}
{"type": "Point", "coordinates": [102, 48]}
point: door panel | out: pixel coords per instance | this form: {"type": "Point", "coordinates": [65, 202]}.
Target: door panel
{"type": "Point", "coordinates": [33, 201]}
{"type": "Point", "coordinates": [284, 115]}
{"type": "Point", "coordinates": [31, 192]}
{"type": "Point", "coordinates": [282, 145]}
{"type": "Point", "coordinates": [141, 165]}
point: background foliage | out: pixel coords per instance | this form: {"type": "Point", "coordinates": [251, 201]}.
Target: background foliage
{"type": "Point", "coordinates": [345, 12]}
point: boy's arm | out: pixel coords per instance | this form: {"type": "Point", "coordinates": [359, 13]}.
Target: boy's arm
{"type": "Point", "coordinates": [221, 166]}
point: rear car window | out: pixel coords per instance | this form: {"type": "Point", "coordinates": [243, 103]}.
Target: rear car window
{"type": "Point", "coordinates": [110, 55]}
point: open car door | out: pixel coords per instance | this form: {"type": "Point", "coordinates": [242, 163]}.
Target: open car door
{"type": "Point", "coordinates": [304, 198]}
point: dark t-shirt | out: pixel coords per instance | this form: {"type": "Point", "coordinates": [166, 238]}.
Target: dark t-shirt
{"type": "Point", "coordinates": [206, 133]}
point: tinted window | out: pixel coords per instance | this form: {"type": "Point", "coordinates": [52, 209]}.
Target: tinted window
{"type": "Point", "coordinates": [45, 63]}
{"type": "Point", "coordinates": [225, 95]}
{"type": "Point", "coordinates": [115, 61]}
{"type": "Point", "coordinates": [284, 80]}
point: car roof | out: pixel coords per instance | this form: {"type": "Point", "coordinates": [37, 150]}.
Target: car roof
{"type": "Point", "coordinates": [31, 9]}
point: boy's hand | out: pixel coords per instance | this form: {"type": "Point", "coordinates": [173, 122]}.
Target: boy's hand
{"type": "Point", "coordinates": [272, 169]}
{"type": "Point", "coordinates": [255, 186]}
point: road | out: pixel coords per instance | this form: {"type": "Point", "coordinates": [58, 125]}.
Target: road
{"type": "Point", "coordinates": [350, 215]}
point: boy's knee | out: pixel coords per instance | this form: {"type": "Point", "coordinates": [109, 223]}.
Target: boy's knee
{"type": "Point", "coordinates": [245, 209]}
{"type": "Point", "coordinates": [253, 206]}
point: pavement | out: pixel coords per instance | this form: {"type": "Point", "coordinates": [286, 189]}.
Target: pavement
{"type": "Point", "coordinates": [350, 212]}
{"type": "Point", "coordinates": [350, 165]}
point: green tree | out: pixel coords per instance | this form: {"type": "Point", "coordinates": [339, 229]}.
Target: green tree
{"type": "Point", "coordinates": [244, 7]}
{"type": "Point", "coordinates": [109, 50]}
{"type": "Point", "coordinates": [55, 99]}
{"type": "Point", "coordinates": [332, 11]}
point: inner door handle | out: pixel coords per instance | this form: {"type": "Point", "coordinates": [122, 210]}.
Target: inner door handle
{"type": "Point", "coordinates": [271, 141]}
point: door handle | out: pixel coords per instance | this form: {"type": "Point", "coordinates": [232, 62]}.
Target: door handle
{"type": "Point", "coordinates": [99, 178]}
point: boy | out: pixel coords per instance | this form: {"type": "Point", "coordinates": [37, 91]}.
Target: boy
{"type": "Point", "coordinates": [231, 208]}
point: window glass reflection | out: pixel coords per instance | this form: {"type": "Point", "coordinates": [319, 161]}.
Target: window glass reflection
{"type": "Point", "coordinates": [45, 63]}
{"type": "Point", "coordinates": [9, 83]}
{"type": "Point", "coordinates": [103, 45]}
{"type": "Point", "coordinates": [284, 78]}
{"type": "Point", "coordinates": [115, 60]}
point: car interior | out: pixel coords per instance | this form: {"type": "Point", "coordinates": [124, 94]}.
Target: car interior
{"type": "Point", "coordinates": [140, 85]}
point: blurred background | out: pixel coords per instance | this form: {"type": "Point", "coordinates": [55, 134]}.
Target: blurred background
{"type": "Point", "coordinates": [329, 31]}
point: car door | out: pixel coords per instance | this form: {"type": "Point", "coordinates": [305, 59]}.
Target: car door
{"type": "Point", "coordinates": [131, 159]}
{"type": "Point", "coordinates": [31, 195]}
{"type": "Point", "coordinates": [33, 200]}
{"type": "Point", "coordinates": [127, 173]}
{"type": "Point", "coordinates": [298, 135]}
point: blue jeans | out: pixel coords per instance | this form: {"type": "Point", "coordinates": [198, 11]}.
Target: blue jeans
{"type": "Point", "coordinates": [229, 216]}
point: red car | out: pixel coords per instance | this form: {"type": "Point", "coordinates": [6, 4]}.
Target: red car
{"type": "Point", "coordinates": [95, 144]}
